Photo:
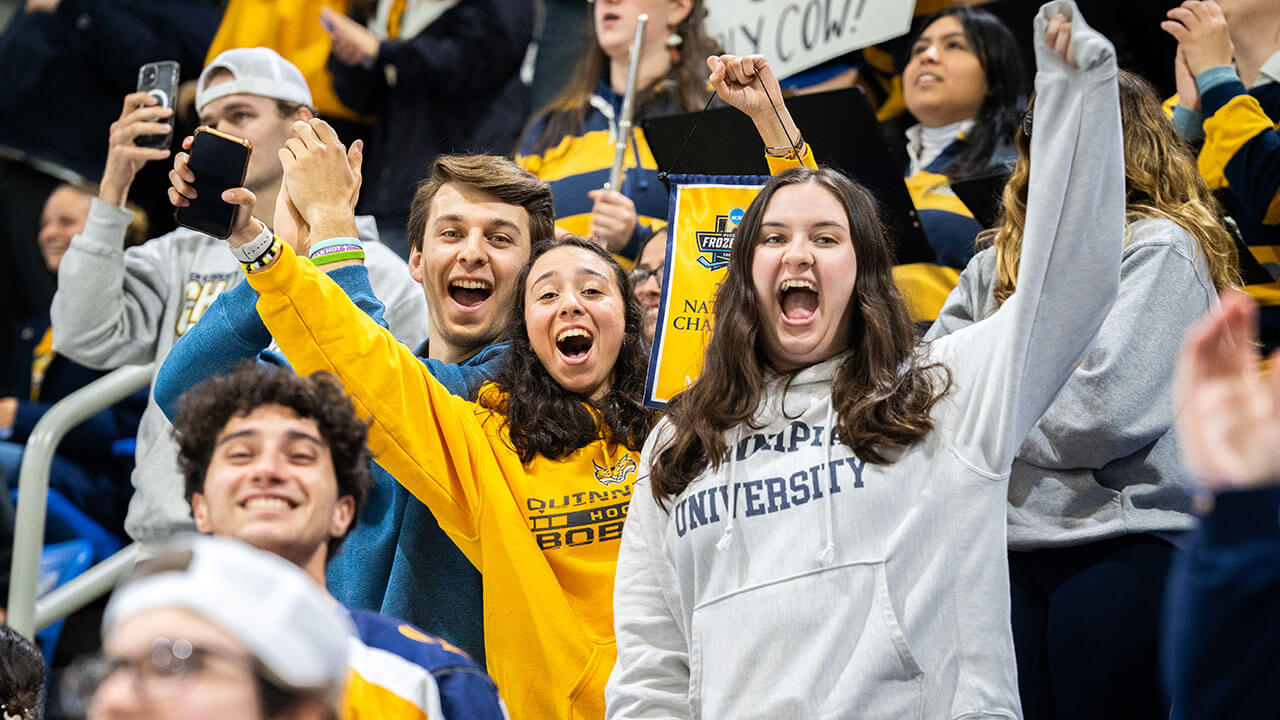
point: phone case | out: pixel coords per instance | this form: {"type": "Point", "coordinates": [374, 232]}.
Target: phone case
{"type": "Point", "coordinates": [160, 80]}
{"type": "Point", "coordinates": [219, 162]}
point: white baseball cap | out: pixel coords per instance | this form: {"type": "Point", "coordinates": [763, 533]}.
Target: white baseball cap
{"type": "Point", "coordinates": [278, 612]}
{"type": "Point", "coordinates": [254, 71]}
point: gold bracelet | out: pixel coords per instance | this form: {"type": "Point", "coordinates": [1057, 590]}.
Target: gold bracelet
{"type": "Point", "coordinates": [787, 151]}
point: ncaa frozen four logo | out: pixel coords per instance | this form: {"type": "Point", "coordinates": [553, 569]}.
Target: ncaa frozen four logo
{"type": "Point", "coordinates": [714, 245]}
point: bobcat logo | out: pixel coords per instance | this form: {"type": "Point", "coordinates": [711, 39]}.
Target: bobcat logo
{"type": "Point", "coordinates": [617, 474]}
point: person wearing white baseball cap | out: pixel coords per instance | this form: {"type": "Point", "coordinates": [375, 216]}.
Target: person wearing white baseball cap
{"type": "Point", "coordinates": [118, 306]}
{"type": "Point", "coordinates": [214, 628]}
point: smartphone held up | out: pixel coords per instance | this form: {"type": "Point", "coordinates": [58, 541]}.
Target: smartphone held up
{"type": "Point", "coordinates": [160, 81]}
{"type": "Point", "coordinates": [219, 162]}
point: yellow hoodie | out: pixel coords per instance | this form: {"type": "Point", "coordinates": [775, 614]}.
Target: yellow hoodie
{"type": "Point", "coordinates": [544, 535]}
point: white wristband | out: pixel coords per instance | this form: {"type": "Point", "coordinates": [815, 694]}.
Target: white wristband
{"type": "Point", "coordinates": [254, 249]}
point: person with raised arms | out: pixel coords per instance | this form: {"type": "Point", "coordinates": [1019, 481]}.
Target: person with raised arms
{"type": "Point", "coordinates": [819, 525]}
{"type": "Point", "coordinates": [472, 225]}
{"type": "Point", "coordinates": [532, 479]}
{"type": "Point", "coordinates": [1096, 495]}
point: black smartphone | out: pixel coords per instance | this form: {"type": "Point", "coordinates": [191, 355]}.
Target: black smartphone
{"type": "Point", "coordinates": [159, 80]}
{"type": "Point", "coordinates": [219, 162]}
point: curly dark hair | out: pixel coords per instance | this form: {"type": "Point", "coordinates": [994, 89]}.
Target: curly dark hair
{"type": "Point", "coordinates": [22, 688]}
{"type": "Point", "coordinates": [207, 408]}
{"type": "Point", "coordinates": [542, 418]}
{"type": "Point", "coordinates": [883, 390]}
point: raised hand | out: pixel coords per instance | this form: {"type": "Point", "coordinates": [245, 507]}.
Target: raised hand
{"type": "Point", "coordinates": [323, 178]}
{"type": "Point", "coordinates": [351, 42]}
{"type": "Point", "coordinates": [1228, 411]}
{"type": "Point", "coordinates": [1188, 93]}
{"type": "Point", "coordinates": [1058, 37]}
{"type": "Point", "coordinates": [289, 225]}
{"type": "Point", "coordinates": [1202, 34]}
{"type": "Point", "coordinates": [747, 83]}
{"type": "Point", "coordinates": [613, 218]}
{"type": "Point", "coordinates": [139, 116]}
{"type": "Point", "coordinates": [182, 191]}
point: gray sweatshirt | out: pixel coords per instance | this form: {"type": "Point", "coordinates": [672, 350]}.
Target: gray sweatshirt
{"type": "Point", "coordinates": [1103, 461]}
{"type": "Point", "coordinates": [120, 307]}
{"type": "Point", "coordinates": [798, 581]}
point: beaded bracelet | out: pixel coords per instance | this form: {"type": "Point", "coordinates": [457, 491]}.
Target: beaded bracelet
{"type": "Point", "coordinates": [265, 259]}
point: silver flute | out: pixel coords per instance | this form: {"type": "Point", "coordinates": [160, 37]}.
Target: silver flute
{"type": "Point", "coordinates": [628, 109]}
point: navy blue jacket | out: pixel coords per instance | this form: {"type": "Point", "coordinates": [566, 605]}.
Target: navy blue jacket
{"type": "Point", "coordinates": [63, 75]}
{"type": "Point", "coordinates": [456, 89]}
{"type": "Point", "coordinates": [1222, 615]}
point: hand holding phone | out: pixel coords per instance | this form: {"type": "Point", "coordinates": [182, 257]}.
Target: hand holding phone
{"type": "Point", "coordinates": [217, 162]}
{"type": "Point", "coordinates": [160, 81]}
{"type": "Point", "coordinates": [138, 116]}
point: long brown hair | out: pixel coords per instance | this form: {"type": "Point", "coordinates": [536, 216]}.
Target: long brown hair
{"type": "Point", "coordinates": [1161, 181]}
{"type": "Point", "coordinates": [883, 390]}
{"type": "Point", "coordinates": [541, 416]}
{"type": "Point", "coordinates": [682, 89]}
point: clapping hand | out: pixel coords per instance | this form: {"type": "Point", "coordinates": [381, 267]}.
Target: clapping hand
{"type": "Point", "coordinates": [1228, 410]}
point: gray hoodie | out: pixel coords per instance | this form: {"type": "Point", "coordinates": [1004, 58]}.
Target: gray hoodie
{"type": "Point", "coordinates": [798, 581]}
{"type": "Point", "coordinates": [120, 307]}
{"type": "Point", "coordinates": [1103, 461]}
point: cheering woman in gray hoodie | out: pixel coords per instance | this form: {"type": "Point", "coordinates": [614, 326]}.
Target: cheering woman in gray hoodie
{"type": "Point", "coordinates": [819, 525]}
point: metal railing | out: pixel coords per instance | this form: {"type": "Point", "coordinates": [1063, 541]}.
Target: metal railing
{"type": "Point", "coordinates": [24, 614]}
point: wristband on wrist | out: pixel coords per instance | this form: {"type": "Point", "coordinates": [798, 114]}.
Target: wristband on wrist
{"type": "Point", "coordinates": [322, 246]}
{"type": "Point", "coordinates": [338, 256]}
{"type": "Point", "coordinates": [265, 259]}
{"type": "Point", "coordinates": [791, 152]}
{"type": "Point", "coordinates": [336, 250]}
{"type": "Point", "coordinates": [254, 249]}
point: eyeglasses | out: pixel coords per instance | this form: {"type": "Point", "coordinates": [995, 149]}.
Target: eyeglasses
{"type": "Point", "coordinates": [642, 273]}
{"type": "Point", "coordinates": [1026, 124]}
{"type": "Point", "coordinates": [161, 673]}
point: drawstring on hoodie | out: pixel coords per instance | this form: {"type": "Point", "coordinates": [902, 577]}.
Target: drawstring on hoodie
{"type": "Point", "coordinates": [726, 538]}
{"type": "Point", "coordinates": [827, 554]}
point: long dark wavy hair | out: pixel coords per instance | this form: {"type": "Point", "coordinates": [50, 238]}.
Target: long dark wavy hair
{"type": "Point", "coordinates": [682, 89]}
{"type": "Point", "coordinates": [1007, 87]}
{"type": "Point", "coordinates": [541, 416]}
{"type": "Point", "coordinates": [883, 390]}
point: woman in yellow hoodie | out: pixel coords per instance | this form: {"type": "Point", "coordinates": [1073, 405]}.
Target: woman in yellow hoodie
{"type": "Point", "coordinates": [533, 480]}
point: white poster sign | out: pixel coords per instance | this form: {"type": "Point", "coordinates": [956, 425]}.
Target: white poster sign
{"type": "Point", "coordinates": [798, 34]}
